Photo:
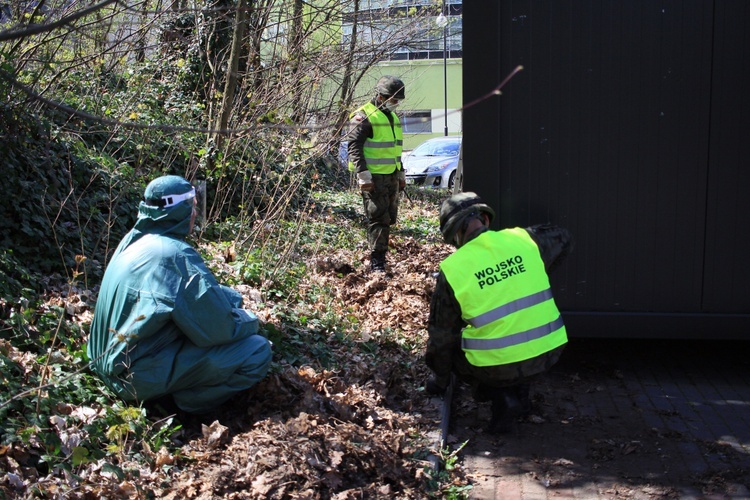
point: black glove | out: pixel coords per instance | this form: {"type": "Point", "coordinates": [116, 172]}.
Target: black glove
{"type": "Point", "coordinates": [437, 385]}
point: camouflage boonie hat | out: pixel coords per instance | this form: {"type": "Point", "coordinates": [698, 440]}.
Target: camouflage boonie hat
{"type": "Point", "coordinates": [455, 209]}
{"type": "Point", "coordinates": [390, 86]}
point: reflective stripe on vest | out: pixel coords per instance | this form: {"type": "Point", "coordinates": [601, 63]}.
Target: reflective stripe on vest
{"type": "Point", "coordinates": [382, 152]}
{"type": "Point", "coordinates": [502, 287]}
{"type": "Point", "coordinates": [514, 339]}
{"type": "Point", "coordinates": [510, 308]}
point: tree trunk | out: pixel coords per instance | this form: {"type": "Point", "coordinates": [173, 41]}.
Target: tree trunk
{"type": "Point", "coordinates": [346, 83]}
{"type": "Point", "coordinates": [230, 84]}
{"type": "Point", "coordinates": [295, 53]}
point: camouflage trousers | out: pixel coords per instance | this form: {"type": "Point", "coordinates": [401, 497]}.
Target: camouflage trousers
{"type": "Point", "coordinates": [488, 379]}
{"type": "Point", "coordinates": [381, 210]}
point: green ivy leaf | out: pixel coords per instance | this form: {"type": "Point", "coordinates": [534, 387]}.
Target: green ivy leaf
{"type": "Point", "coordinates": [113, 469]}
{"type": "Point", "coordinates": [80, 456]}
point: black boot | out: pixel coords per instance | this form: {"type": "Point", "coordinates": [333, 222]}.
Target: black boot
{"type": "Point", "coordinates": [507, 406]}
{"type": "Point", "coordinates": [377, 261]}
{"type": "Point", "coordinates": [523, 393]}
{"type": "Point", "coordinates": [501, 421]}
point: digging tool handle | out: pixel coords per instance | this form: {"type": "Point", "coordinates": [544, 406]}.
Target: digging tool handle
{"type": "Point", "coordinates": [445, 413]}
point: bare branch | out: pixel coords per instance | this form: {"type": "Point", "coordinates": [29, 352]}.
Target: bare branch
{"type": "Point", "coordinates": [12, 34]}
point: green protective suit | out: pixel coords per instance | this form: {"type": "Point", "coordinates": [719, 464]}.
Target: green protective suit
{"type": "Point", "coordinates": [162, 323]}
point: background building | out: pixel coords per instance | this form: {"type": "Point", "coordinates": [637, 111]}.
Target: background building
{"type": "Point", "coordinates": [430, 65]}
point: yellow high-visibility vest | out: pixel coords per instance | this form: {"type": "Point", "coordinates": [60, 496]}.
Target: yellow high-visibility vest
{"type": "Point", "coordinates": [503, 289]}
{"type": "Point", "coordinates": [383, 151]}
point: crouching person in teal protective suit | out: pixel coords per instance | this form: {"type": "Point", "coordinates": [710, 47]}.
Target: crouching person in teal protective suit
{"type": "Point", "coordinates": [162, 323]}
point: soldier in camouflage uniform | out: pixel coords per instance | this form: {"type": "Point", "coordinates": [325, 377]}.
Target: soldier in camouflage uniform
{"type": "Point", "coordinates": [493, 321]}
{"type": "Point", "coordinates": [375, 146]}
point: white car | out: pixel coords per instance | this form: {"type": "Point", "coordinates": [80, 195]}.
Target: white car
{"type": "Point", "coordinates": [433, 163]}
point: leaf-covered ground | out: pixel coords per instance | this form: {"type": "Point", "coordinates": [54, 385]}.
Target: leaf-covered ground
{"type": "Point", "coordinates": [357, 432]}
{"type": "Point", "coordinates": [339, 417]}
{"type": "Point", "coordinates": [343, 414]}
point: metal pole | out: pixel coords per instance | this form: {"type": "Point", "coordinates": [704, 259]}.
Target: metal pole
{"type": "Point", "coordinates": [445, 74]}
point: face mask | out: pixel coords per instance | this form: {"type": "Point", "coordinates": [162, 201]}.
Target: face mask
{"type": "Point", "coordinates": [391, 105]}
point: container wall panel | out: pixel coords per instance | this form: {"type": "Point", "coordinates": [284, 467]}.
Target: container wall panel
{"type": "Point", "coordinates": [727, 264]}
{"type": "Point", "coordinates": [614, 128]}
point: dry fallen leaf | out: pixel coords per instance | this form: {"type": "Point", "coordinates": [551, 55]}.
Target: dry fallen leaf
{"type": "Point", "coordinates": [215, 434]}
